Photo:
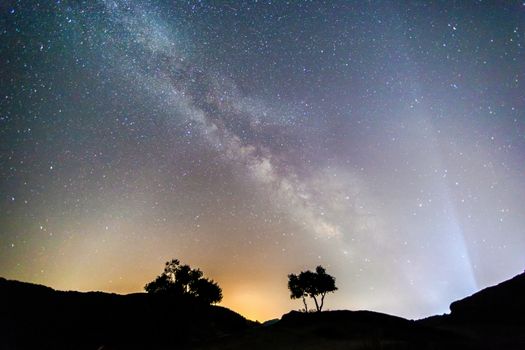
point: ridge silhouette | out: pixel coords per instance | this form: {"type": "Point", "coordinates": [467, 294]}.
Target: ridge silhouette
{"type": "Point", "coordinates": [35, 316]}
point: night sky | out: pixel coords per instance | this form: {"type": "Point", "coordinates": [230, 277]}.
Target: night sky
{"type": "Point", "coordinates": [382, 140]}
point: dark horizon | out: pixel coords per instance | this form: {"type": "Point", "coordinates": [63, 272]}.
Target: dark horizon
{"type": "Point", "coordinates": [37, 316]}
{"type": "Point", "coordinates": [502, 293]}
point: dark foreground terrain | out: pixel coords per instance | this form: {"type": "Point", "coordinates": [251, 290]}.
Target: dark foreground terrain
{"type": "Point", "coordinates": [38, 317]}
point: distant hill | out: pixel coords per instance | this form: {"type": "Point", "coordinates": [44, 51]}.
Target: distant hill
{"type": "Point", "coordinates": [338, 330]}
{"type": "Point", "coordinates": [503, 303]}
{"type": "Point", "coordinates": [38, 317]}
{"type": "Point", "coordinates": [491, 319]}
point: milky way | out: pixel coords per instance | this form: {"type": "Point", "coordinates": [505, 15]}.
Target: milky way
{"type": "Point", "coordinates": [255, 139]}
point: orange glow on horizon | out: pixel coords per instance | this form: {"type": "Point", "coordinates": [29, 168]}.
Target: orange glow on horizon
{"type": "Point", "coordinates": [256, 304]}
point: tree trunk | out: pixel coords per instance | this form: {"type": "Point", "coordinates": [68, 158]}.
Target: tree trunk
{"type": "Point", "coordinates": [305, 305]}
{"type": "Point", "coordinates": [316, 303]}
{"type": "Point", "coordinates": [322, 301]}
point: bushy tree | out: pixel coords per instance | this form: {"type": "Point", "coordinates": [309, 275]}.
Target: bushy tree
{"type": "Point", "coordinates": [207, 290]}
{"type": "Point", "coordinates": [297, 289]}
{"type": "Point", "coordinates": [161, 284]}
{"type": "Point", "coordinates": [311, 284]}
{"type": "Point", "coordinates": [181, 280]}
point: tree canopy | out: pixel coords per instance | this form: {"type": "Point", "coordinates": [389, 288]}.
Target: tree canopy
{"type": "Point", "coordinates": [311, 284]}
{"type": "Point", "coordinates": [181, 280]}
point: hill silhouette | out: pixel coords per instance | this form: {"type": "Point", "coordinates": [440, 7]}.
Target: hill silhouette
{"type": "Point", "coordinates": [33, 316]}
{"type": "Point", "coordinates": [503, 303]}
{"type": "Point", "coordinates": [38, 317]}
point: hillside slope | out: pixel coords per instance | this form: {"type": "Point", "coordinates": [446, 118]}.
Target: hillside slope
{"type": "Point", "coordinates": [490, 319]}
{"type": "Point", "coordinates": [503, 303]}
{"type": "Point", "coordinates": [34, 316]}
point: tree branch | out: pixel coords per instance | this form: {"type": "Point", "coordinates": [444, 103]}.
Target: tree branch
{"type": "Point", "coordinates": [305, 305]}
{"type": "Point", "coordinates": [316, 303]}
{"type": "Point", "coordinates": [322, 301]}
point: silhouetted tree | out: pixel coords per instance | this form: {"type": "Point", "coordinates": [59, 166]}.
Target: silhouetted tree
{"type": "Point", "coordinates": [161, 284]}
{"type": "Point", "coordinates": [311, 284]}
{"type": "Point", "coordinates": [207, 290]}
{"type": "Point", "coordinates": [178, 279]}
{"type": "Point", "coordinates": [297, 289]}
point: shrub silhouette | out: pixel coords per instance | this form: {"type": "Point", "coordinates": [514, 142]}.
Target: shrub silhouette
{"type": "Point", "coordinates": [311, 284]}
{"type": "Point", "coordinates": [183, 281]}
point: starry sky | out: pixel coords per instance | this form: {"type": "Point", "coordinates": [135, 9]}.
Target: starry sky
{"type": "Point", "coordinates": [383, 140]}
